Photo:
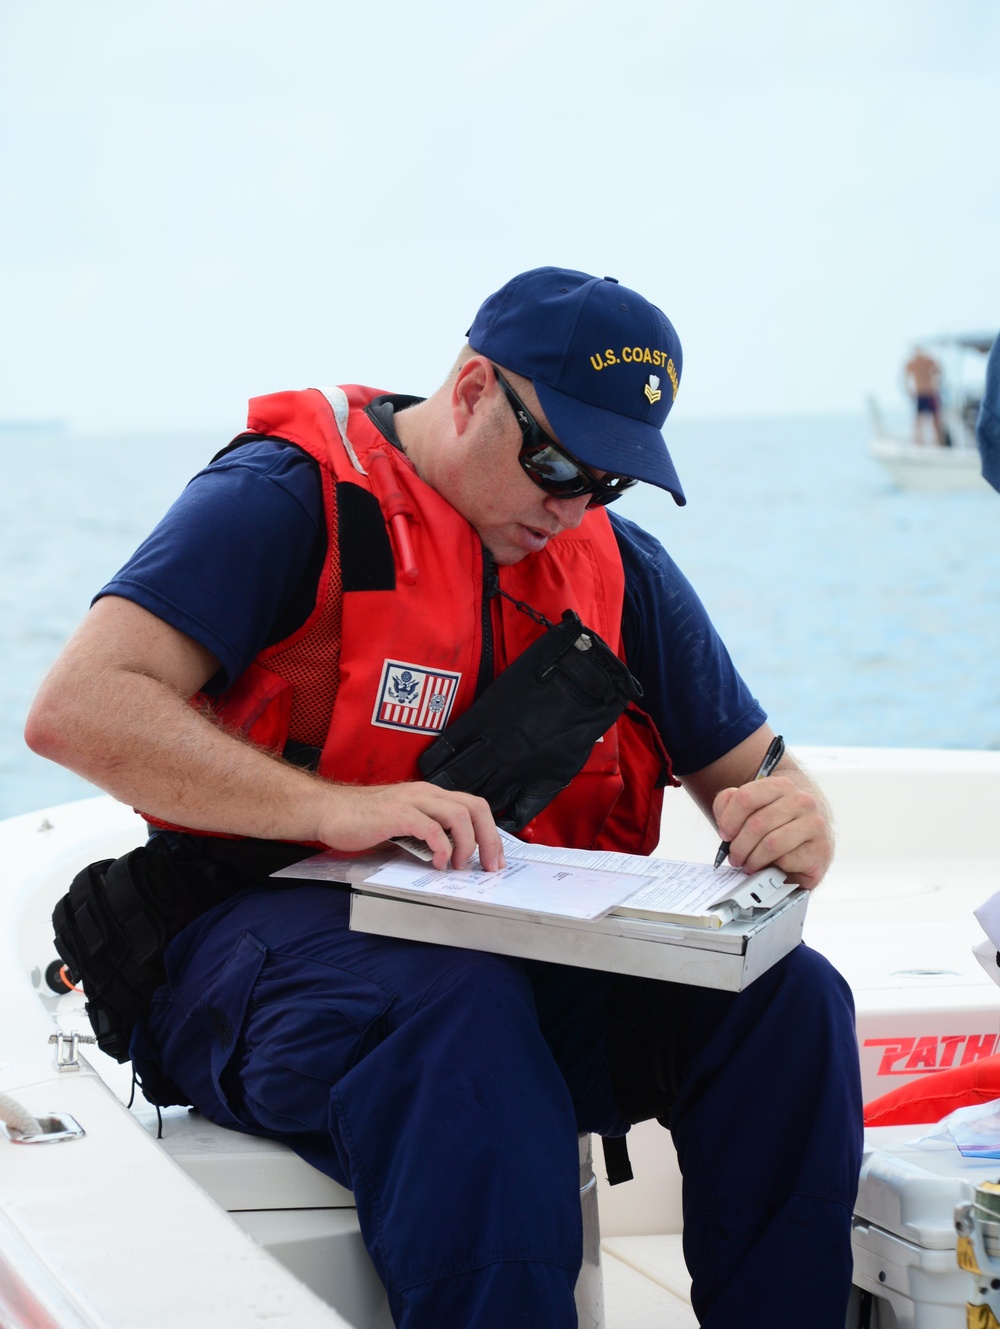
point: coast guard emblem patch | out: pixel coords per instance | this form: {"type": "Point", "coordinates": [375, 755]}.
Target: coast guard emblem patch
{"type": "Point", "coordinates": [413, 697]}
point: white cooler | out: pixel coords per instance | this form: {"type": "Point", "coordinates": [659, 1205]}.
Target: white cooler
{"type": "Point", "coordinates": [906, 1275]}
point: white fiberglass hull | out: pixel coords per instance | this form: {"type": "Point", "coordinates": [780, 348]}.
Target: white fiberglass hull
{"type": "Point", "coordinates": [108, 1230]}
{"type": "Point", "coordinates": [927, 467]}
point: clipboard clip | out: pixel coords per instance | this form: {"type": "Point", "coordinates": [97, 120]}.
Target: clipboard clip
{"type": "Point", "coordinates": [754, 895]}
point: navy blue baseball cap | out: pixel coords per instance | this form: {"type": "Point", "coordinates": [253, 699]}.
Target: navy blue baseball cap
{"type": "Point", "coordinates": [604, 363]}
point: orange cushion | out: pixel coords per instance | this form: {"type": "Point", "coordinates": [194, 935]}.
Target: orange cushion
{"type": "Point", "coordinates": [933, 1096]}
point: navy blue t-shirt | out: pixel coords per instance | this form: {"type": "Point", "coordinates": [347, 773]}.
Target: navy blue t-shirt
{"type": "Point", "coordinates": [235, 562]}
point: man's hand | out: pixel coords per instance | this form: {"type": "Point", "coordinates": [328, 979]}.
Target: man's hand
{"type": "Point", "coordinates": [782, 819]}
{"type": "Point", "coordinates": [777, 821]}
{"type": "Point", "coordinates": [451, 824]}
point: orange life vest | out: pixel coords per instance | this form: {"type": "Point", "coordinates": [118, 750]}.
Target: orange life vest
{"type": "Point", "coordinates": [374, 674]}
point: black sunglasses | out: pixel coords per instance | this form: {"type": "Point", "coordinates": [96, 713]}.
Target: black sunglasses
{"type": "Point", "coordinates": [553, 469]}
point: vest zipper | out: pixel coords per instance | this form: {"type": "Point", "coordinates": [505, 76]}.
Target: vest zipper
{"type": "Point", "coordinates": [491, 584]}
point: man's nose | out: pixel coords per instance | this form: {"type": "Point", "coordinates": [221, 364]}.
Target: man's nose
{"type": "Point", "coordinates": [568, 512]}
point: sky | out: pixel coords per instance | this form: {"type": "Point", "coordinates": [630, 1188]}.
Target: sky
{"type": "Point", "coordinates": [206, 200]}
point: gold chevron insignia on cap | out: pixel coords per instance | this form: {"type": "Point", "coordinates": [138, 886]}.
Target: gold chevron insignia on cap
{"type": "Point", "coordinates": [652, 389]}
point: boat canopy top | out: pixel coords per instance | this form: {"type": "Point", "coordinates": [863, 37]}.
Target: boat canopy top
{"type": "Point", "coordinates": [968, 341]}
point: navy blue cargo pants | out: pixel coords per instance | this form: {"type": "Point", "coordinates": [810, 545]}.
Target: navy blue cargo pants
{"type": "Point", "coordinates": [446, 1088]}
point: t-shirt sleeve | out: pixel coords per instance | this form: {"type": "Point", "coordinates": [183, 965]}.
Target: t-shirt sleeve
{"type": "Point", "coordinates": [692, 690]}
{"type": "Point", "coordinates": [988, 424]}
{"type": "Point", "coordinates": [227, 562]}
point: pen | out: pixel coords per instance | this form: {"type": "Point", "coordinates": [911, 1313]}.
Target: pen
{"type": "Point", "coordinates": [771, 758]}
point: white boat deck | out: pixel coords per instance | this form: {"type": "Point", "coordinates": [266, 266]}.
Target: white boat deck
{"type": "Point", "coordinates": [646, 1283]}
{"type": "Point", "coordinates": [916, 856]}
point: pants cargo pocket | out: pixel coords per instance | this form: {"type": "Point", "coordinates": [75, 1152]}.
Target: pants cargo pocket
{"type": "Point", "coordinates": [309, 1021]}
{"type": "Point", "coordinates": [221, 1013]}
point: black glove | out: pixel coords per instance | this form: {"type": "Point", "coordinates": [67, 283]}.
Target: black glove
{"type": "Point", "coordinates": [526, 736]}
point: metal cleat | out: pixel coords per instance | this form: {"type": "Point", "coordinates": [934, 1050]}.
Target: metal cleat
{"type": "Point", "coordinates": [66, 1049]}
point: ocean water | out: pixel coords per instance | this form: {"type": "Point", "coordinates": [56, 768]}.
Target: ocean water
{"type": "Point", "coordinates": [858, 613]}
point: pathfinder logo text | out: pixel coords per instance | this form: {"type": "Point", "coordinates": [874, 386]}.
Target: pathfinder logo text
{"type": "Point", "coordinates": [919, 1056]}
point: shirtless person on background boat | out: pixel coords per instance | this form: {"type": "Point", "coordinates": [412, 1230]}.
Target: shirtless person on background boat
{"type": "Point", "coordinates": [923, 383]}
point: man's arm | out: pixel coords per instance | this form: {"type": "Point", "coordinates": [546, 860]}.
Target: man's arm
{"type": "Point", "coordinates": [783, 819]}
{"type": "Point", "coordinates": [114, 709]}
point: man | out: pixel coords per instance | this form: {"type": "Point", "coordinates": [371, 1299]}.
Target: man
{"type": "Point", "coordinates": [923, 382]}
{"type": "Point", "coordinates": [344, 551]}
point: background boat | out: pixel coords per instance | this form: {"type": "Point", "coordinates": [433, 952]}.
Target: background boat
{"type": "Point", "coordinates": [927, 466]}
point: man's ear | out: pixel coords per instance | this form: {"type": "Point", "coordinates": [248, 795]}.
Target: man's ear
{"type": "Point", "coordinates": [469, 390]}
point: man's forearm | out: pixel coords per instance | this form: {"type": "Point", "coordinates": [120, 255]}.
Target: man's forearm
{"type": "Point", "coordinates": [133, 736]}
{"type": "Point", "coordinates": [114, 708]}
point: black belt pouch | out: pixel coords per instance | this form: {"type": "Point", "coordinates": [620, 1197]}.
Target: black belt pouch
{"type": "Point", "coordinates": [112, 926]}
